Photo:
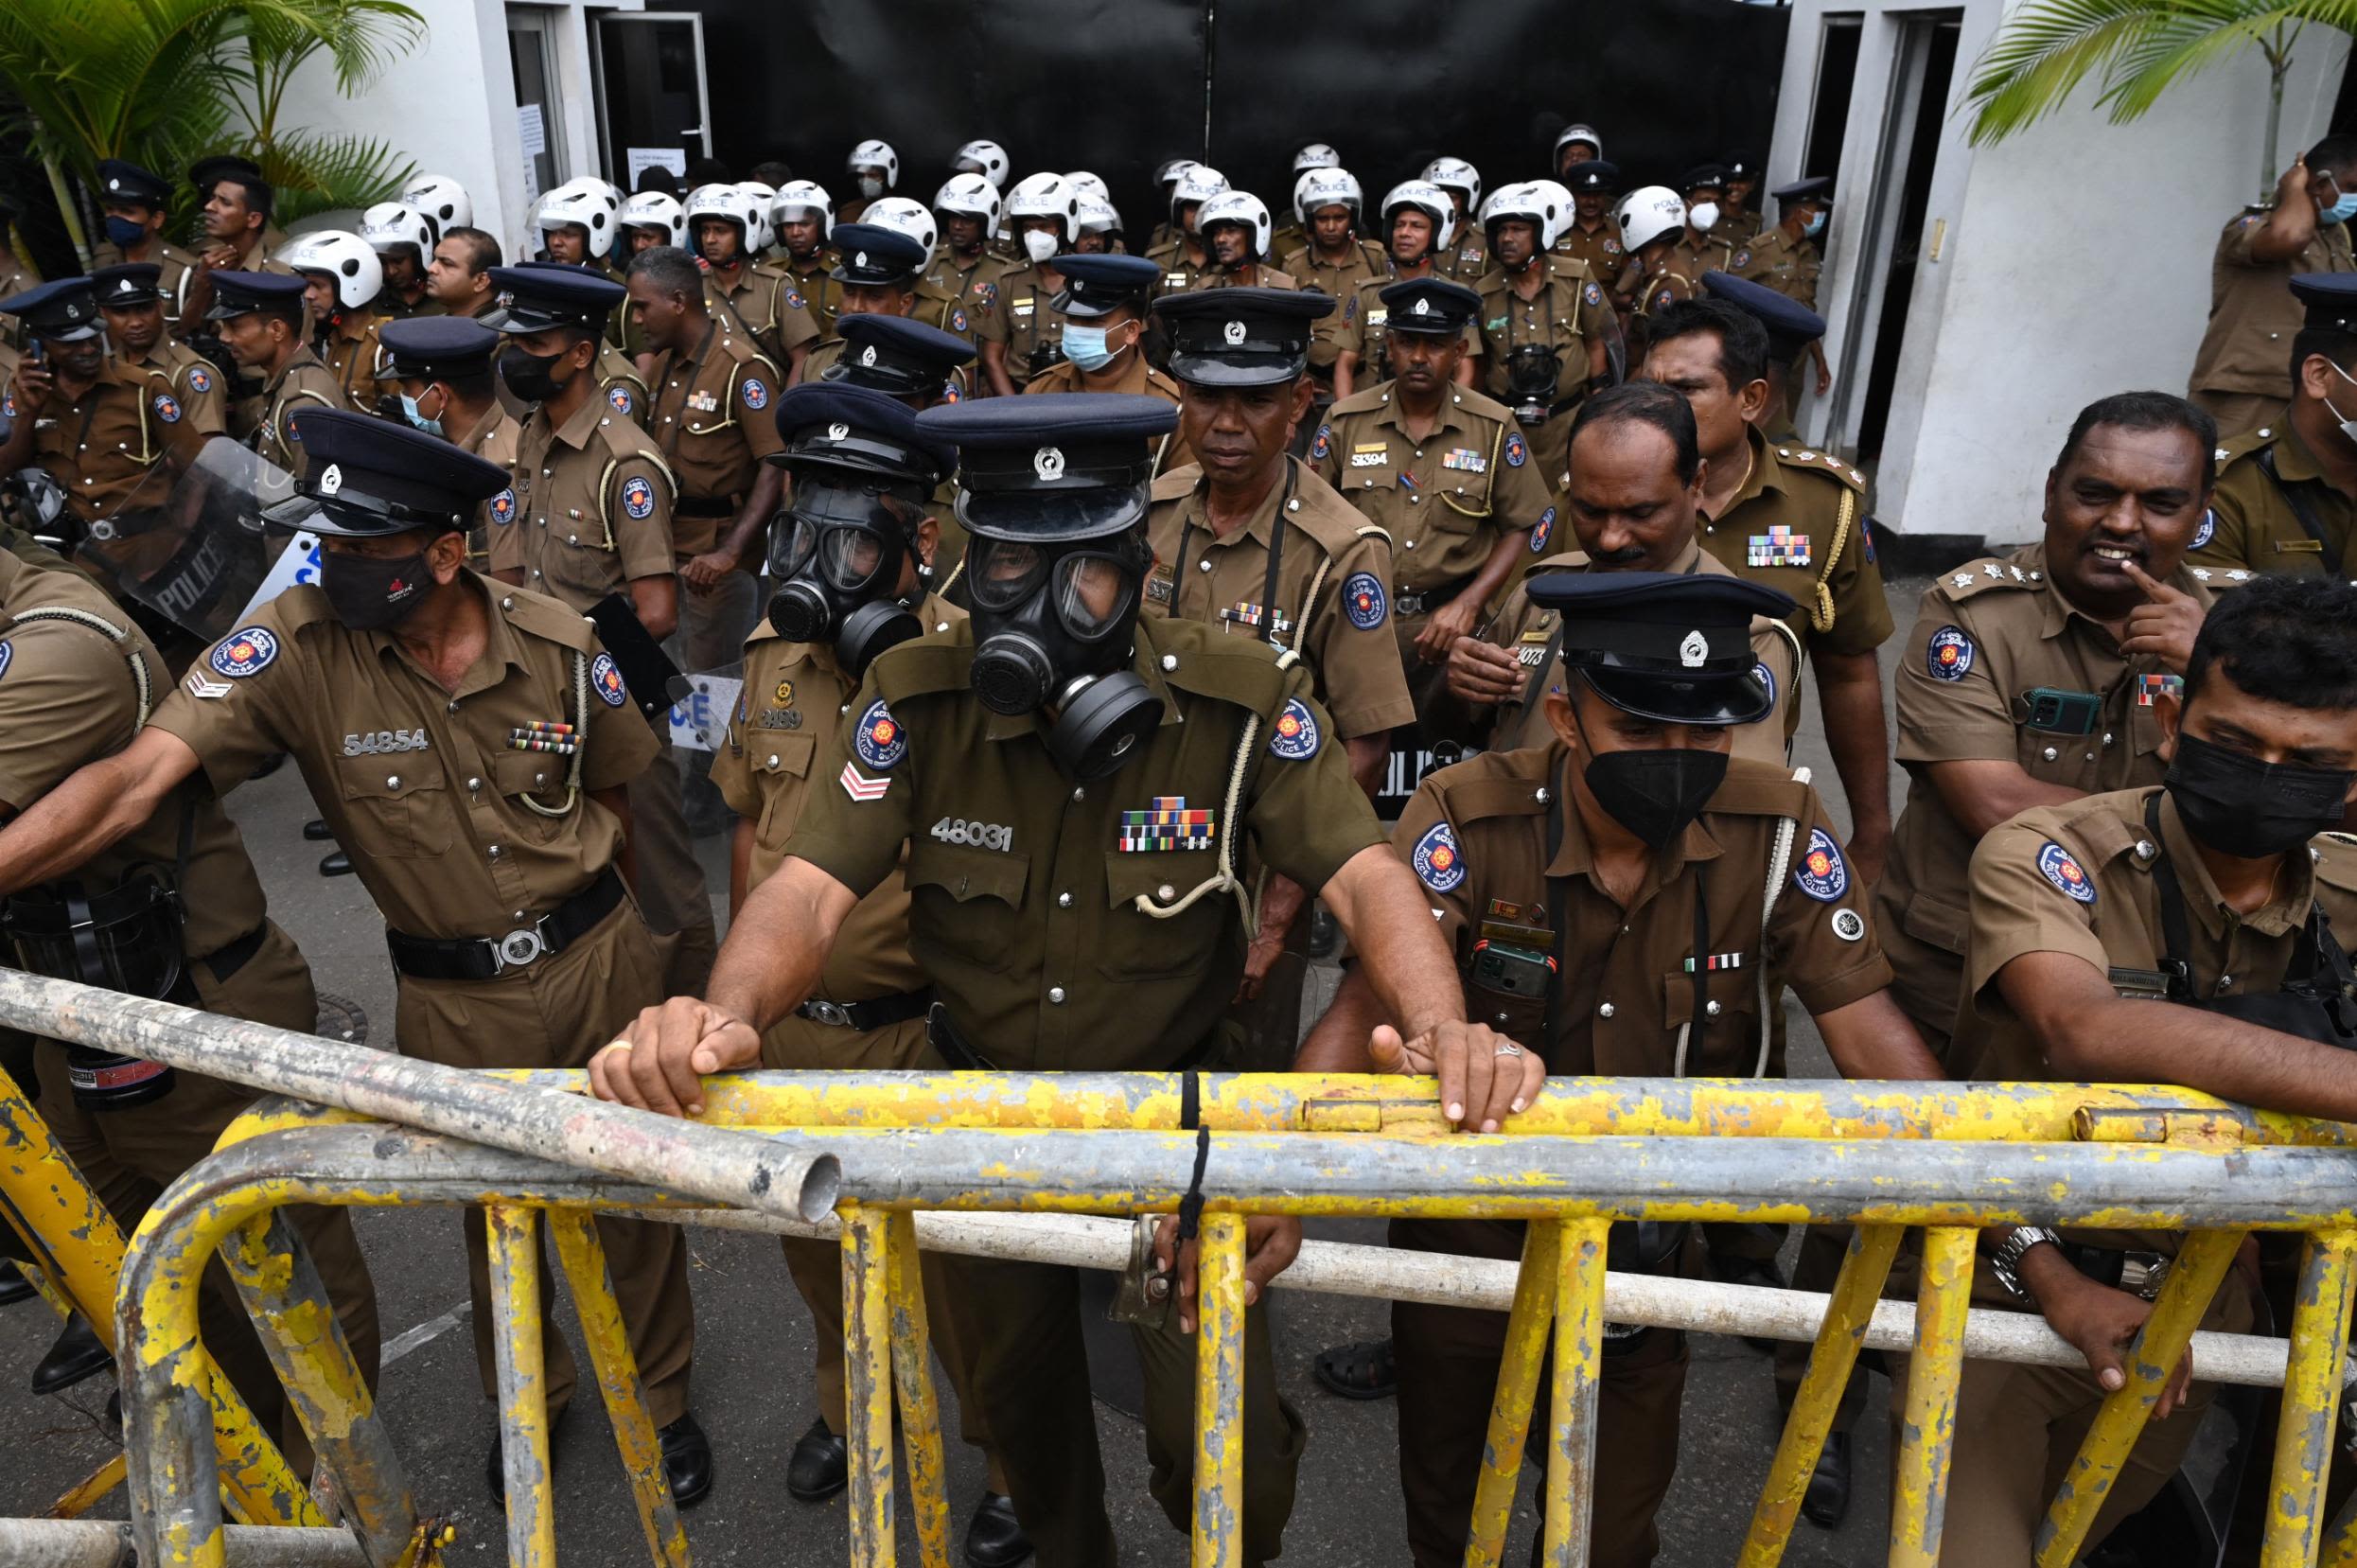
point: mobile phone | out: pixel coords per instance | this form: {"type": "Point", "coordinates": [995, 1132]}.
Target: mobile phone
{"type": "Point", "coordinates": [2062, 712]}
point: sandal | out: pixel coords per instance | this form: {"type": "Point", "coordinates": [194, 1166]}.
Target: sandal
{"type": "Point", "coordinates": [1362, 1371]}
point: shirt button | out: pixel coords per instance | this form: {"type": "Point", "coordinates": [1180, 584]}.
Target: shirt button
{"type": "Point", "coordinates": [540, 781]}
{"type": "Point", "coordinates": [2107, 738]}
{"type": "Point", "coordinates": [474, 785]}
{"type": "Point", "coordinates": [1166, 892]}
{"type": "Point", "coordinates": [773, 760]}
{"type": "Point", "coordinates": [392, 780]}
{"type": "Point", "coordinates": [2050, 753]}
{"type": "Point", "coordinates": [451, 707]}
{"type": "Point", "coordinates": [1079, 793]}
{"type": "Point", "coordinates": [1204, 565]}
{"type": "Point", "coordinates": [495, 851]}
{"type": "Point", "coordinates": [508, 602]}
{"type": "Point", "coordinates": [1064, 901]}
{"type": "Point", "coordinates": [1604, 1011]}
{"type": "Point", "coordinates": [1055, 995]}
{"type": "Point", "coordinates": [1710, 1009]}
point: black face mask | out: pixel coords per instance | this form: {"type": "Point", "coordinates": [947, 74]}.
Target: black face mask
{"type": "Point", "coordinates": [1037, 645]}
{"type": "Point", "coordinates": [838, 559]}
{"type": "Point", "coordinates": [369, 592]}
{"type": "Point", "coordinates": [531, 376]}
{"type": "Point", "coordinates": [2240, 806]}
{"type": "Point", "coordinates": [1652, 794]}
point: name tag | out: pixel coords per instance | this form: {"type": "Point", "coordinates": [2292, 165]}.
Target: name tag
{"type": "Point", "coordinates": [2299, 547]}
{"type": "Point", "coordinates": [1378, 315]}
{"type": "Point", "coordinates": [1174, 280]}
{"type": "Point", "coordinates": [1370, 454]}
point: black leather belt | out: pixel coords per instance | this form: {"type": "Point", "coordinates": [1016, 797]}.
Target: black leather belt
{"type": "Point", "coordinates": [703, 506]}
{"type": "Point", "coordinates": [1404, 602]}
{"type": "Point", "coordinates": [876, 1012]}
{"type": "Point", "coordinates": [947, 1040]}
{"type": "Point", "coordinates": [487, 957]}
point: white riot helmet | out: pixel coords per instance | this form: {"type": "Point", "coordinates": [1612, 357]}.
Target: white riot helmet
{"type": "Point", "coordinates": [1649, 213]}
{"type": "Point", "coordinates": [1578, 133]}
{"type": "Point", "coordinates": [1237, 206]}
{"type": "Point", "coordinates": [1044, 196]}
{"type": "Point", "coordinates": [799, 201]}
{"type": "Point", "coordinates": [908, 216]}
{"type": "Point", "coordinates": [1199, 182]}
{"type": "Point", "coordinates": [1098, 216]}
{"type": "Point", "coordinates": [875, 155]}
{"type": "Point", "coordinates": [1326, 187]}
{"type": "Point", "coordinates": [653, 209]}
{"type": "Point", "coordinates": [1428, 199]}
{"type": "Point", "coordinates": [984, 157]}
{"type": "Point", "coordinates": [1527, 200]}
{"type": "Point", "coordinates": [1167, 173]}
{"type": "Point", "coordinates": [609, 195]}
{"type": "Point", "coordinates": [765, 197]}
{"type": "Point", "coordinates": [971, 196]}
{"type": "Point", "coordinates": [390, 223]}
{"type": "Point", "coordinates": [583, 206]}
{"type": "Point", "coordinates": [730, 204]}
{"type": "Point", "coordinates": [1085, 184]}
{"type": "Point", "coordinates": [346, 258]}
{"type": "Point", "coordinates": [1459, 175]}
{"type": "Point", "coordinates": [441, 201]}
{"type": "Point", "coordinates": [1316, 156]}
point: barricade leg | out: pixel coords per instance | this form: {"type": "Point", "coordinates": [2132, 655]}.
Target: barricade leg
{"type": "Point", "coordinates": [868, 1383]}
{"type": "Point", "coordinates": [2202, 1262]}
{"type": "Point", "coordinates": [86, 1494]}
{"type": "Point", "coordinates": [2312, 1396]}
{"type": "Point", "coordinates": [920, 1404]}
{"type": "Point", "coordinates": [1927, 1435]}
{"type": "Point", "coordinates": [583, 1258]}
{"type": "Point", "coordinates": [1219, 1537]}
{"type": "Point", "coordinates": [1527, 1326]}
{"type": "Point", "coordinates": [514, 1259]}
{"type": "Point", "coordinates": [1864, 1271]}
{"type": "Point", "coordinates": [1572, 1407]}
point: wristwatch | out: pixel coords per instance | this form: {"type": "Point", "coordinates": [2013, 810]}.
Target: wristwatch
{"type": "Point", "coordinates": [2006, 1259]}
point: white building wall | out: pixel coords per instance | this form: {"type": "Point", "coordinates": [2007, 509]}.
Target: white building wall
{"type": "Point", "coordinates": [2075, 260]}
{"type": "Point", "coordinates": [449, 105]}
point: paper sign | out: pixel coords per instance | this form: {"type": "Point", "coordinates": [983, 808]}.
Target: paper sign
{"type": "Point", "coordinates": [644, 158]}
{"type": "Point", "coordinates": [700, 722]}
{"type": "Point", "coordinates": [533, 128]}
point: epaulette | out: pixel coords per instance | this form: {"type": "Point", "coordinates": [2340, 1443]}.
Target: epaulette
{"type": "Point", "coordinates": [1809, 460]}
{"type": "Point", "coordinates": [544, 617]}
{"type": "Point", "coordinates": [1988, 573]}
{"type": "Point", "coordinates": [1760, 789]}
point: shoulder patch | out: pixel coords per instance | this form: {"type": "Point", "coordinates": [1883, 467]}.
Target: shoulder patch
{"type": "Point", "coordinates": [1294, 736]}
{"type": "Point", "coordinates": [619, 397]}
{"type": "Point", "coordinates": [879, 740]}
{"type": "Point", "coordinates": [2207, 531]}
{"type": "Point", "coordinates": [1516, 452]}
{"type": "Point", "coordinates": [1767, 679]}
{"type": "Point", "coordinates": [957, 319]}
{"type": "Point", "coordinates": [1821, 873]}
{"type": "Point", "coordinates": [243, 653]}
{"type": "Point", "coordinates": [1541, 531]}
{"type": "Point", "coordinates": [1363, 596]}
{"type": "Point", "coordinates": [755, 392]}
{"type": "Point", "coordinates": [199, 378]}
{"type": "Point", "coordinates": [1590, 294]}
{"type": "Point", "coordinates": [8, 655]}
{"type": "Point", "coordinates": [1323, 443]}
{"type": "Point", "coordinates": [605, 679]}
{"type": "Point", "coordinates": [503, 507]}
{"type": "Point", "coordinates": [167, 408]}
{"type": "Point", "coordinates": [1439, 864]}
{"type": "Point", "coordinates": [794, 298]}
{"type": "Point", "coordinates": [2058, 866]}
{"type": "Point", "coordinates": [1950, 654]}
{"type": "Point", "coordinates": [637, 498]}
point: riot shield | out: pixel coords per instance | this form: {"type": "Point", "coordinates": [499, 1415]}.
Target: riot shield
{"type": "Point", "coordinates": [205, 549]}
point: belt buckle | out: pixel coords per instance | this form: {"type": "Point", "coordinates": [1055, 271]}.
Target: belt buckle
{"type": "Point", "coordinates": [827, 1013]}
{"type": "Point", "coordinates": [2143, 1273]}
{"type": "Point", "coordinates": [1407, 604]}
{"type": "Point", "coordinates": [519, 948]}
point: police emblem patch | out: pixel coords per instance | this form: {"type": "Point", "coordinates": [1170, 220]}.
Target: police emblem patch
{"type": "Point", "coordinates": [1849, 924]}
{"type": "Point", "coordinates": [1362, 597]}
{"type": "Point", "coordinates": [756, 392]}
{"type": "Point", "coordinates": [503, 506]}
{"type": "Point", "coordinates": [1767, 679]}
{"type": "Point", "coordinates": [1592, 295]}
{"type": "Point", "coordinates": [1323, 443]}
{"type": "Point", "coordinates": [1950, 654]}
{"type": "Point", "coordinates": [1821, 873]}
{"type": "Point", "coordinates": [619, 397]}
{"type": "Point", "coordinates": [1516, 452]}
{"type": "Point", "coordinates": [2208, 529]}
{"type": "Point", "coordinates": [199, 378]}
{"type": "Point", "coordinates": [167, 408]}
{"type": "Point", "coordinates": [794, 299]}
{"type": "Point", "coordinates": [605, 679]}
{"type": "Point", "coordinates": [1439, 865]}
{"type": "Point", "coordinates": [2057, 866]}
{"type": "Point", "coordinates": [879, 739]}
{"type": "Point", "coordinates": [637, 498]}
{"type": "Point", "coordinates": [1541, 531]}
{"type": "Point", "coordinates": [957, 319]}
{"type": "Point", "coordinates": [244, 653]}
{"type": "Point", "coordinates": [1741, 258]}
{"type": "Point", "coordinates": [1294, 736]}
{"type": "Point", "coordinates": [8, 657]}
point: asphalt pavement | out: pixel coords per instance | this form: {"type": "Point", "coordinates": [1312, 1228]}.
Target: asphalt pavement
{"type": "Point", "coordinates": [753, 1388]}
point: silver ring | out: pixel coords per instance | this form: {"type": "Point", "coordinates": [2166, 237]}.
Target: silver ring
{"type": "Point", "coordinates": [1509, 1048]}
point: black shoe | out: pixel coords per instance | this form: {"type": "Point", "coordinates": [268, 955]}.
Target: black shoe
{"type": "Point", "coordinates": [1362, 1371]}
{"type": "Point", "coordinates": [338, 864]}
{"type": "Point", "coordinates": [14, 1287]}
{"type": "Point", "coordinates": [76, 1356]}
{"type": "Point", "coordinates": [495, 1462]}
{"type": "Point", "coordinates": [687, 1461]}
{"type": "Point", "coordinates": [1828, 1495]}
{"type": "Point", "coordinates": [317, 830]}
{"type": "Point", "coordinates": [821, 1466]}
{"type": "Point", "coordinates": [994, 1537]}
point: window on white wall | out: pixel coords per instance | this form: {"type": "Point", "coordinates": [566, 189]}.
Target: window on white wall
{"type": "Point", "coordinates": [539, 99]}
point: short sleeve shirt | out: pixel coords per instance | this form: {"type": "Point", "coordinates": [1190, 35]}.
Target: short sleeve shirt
{"type": "Point", "coordinates": [713, 423]}
{"type": "Point", "coordinates": [1569, 312]}
{"type": "Point", "coordinates": [1025, 319]}
{"type": "Point", "coordinates": [118, 446]}
{"type": "Point", "coordinates": [2259, 520]}
{"type": "Point", "coordinates": [1444, 499]}
{"type": "Point", "coordinates": [769, 304]}
{"type": "Point", "coordinates": [590, 510]}
{"type": "Point", "coordinates": [1799, 524]}
{"type": "Point", "coordinates": [2246, 348]}
{"type": "Point", "coordinates": [1787, 265]}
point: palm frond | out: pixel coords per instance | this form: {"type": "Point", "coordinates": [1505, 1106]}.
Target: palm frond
{"type": "Point", "coordinates": [313, 172]}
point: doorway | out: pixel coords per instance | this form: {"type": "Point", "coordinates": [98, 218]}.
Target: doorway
{"type": "Point", "coordinates": [658, 103]}
{"type": "Point", "coordinates": [1837, 76]}
{"type": "Point", "coordinates": [1925, 68]}
{"type": "Point", "coordinates": [532, 50]}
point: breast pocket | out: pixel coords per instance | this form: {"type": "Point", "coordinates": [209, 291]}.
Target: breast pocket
{"type": "Point", "coordinates": [578, 558]}
{"type": "Point", "coordinates": [781, 764]}
{"type": "Point", "coordinates": [1727, 1042]}
{"type": "Point", "coordinates": [961, 897]}
{"type": "Point", "coordinates": [1142, 946]}
{"type": "Point", "coordinates": [538, 778]}
{"type": "Point", "coordinates": [398, 804]}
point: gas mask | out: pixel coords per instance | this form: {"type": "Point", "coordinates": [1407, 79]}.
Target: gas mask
{"type": "Point", "coordinates": [1531, 374]}
{"type": "Point", "coordinates": [1052, 628]}
{"type": "Point", "coordinates": [836, 559]}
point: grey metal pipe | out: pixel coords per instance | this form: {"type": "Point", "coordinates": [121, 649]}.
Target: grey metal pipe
{"type": "Point", "coordinates": [101, 1543]}
{"type": "Point", "coordinates": [739, 1169]}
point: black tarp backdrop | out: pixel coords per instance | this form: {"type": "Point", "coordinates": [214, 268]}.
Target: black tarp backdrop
{"type": "Point", "coordinates": [1119, 86]}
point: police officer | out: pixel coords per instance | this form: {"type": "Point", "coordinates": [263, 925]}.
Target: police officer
{"type": "Point", "coordinates": [1181, 252]}
{"type": "Point", "coordinates": [1235, 228]}
{"type": "Point", "coordinates": [2239, 373]}
{"type": "Point", "coordinates": [1469, 257]}
{"type": "Point", "coordinates": [1166, 175]}
{"type": "Point", "coordinates": [1634, 504]}
{"type": "Point", "coordinates": [259, 316]}
{"type": "Point", "coordinates": [439, 368]}
{"type": "Point", "coordinates": [236, 203]}
{"type": "Point", "coordinates": [1021, 336]}
{"type": "Point", "coordinates": [341, 278]}
{"type": "Point", "coordinates": [1795, 519]}
{"type": "Point", "coordinates": [917, 366]}
{"type": "Point", "coordinates": [81, 681]}
{"type": "Point", "coordinates": [1739, 219]}
{"type": "Point", "coordinates": [1593, 236]}
{"type": "Point", "coordinates": [881, 273]}
{"type": "Point", "coordinates": [1418, 219]}
{"type": "Point", "coordinates": [1575, 145]}
{"type": "Point", "coordinates": [1792, 327]}
{"type": "Point", "coordinates": [1704, 247]}
{"type": "Point", "coordinates": [1294, 233]}
{"type": "Point", "coordinates": [804, 218]}
{"type": "Point", "coordinates": [849, 579]}
{"type": "Point", "coordinates": [1547, 328]}
{"type": "Point", "coordinates": [135, 203]}
{"type": "Point", "coordinates": [1103, 308]}
{"type": "Point", "coordinates": [619, 383]}
{"type": "Point", "coordinates": [711, 423]}
{"type": "Point", "coordinates": [1785, 258]}
{"type": "Point", "coordinates": [403, 239]}
{"type": "Point", "coordinates": [589, 518]}
{"type": "Point", "coordinates": [966, 268]}
{"type": "Point", "coordinates": [1335, 259]}
{"type": "Point", "coordinates": [2085, 915]}
{"type": "Point", "coordinates": [1652, 222]}
{"type": "Point", "coordinates": [874, 168]}
{"type": "Point", "coordinates": [1013, 759]}
{"type": "Point", "coordinates": [131, 302]}
{"type": "Point", "coordinates": [408, 691]}
{"type": "Point", "coordinates": [1570, 878]}
{"type": "Point", "coordinates": [748, 295]}
{"type": "Point", "coordinates": [1421, 438]}
{"type": "Point", "coordinates": [2287, 491]}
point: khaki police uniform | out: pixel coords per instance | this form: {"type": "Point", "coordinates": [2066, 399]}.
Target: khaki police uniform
{"type": "Point", "coordinates": [1469, 258]}
{"type": "Point", "coordinates": [2274, 510]}
{"type": "Point", "coordinates": [1138, 377]}
{"type": "Point", "coordinates": [620, 384]}
{"type": "Point", "coordinates": [1361, 324]}
{"type": "Point", "coordinates": [174, 265]}
{"type": "Point", "coordinates": [105, 447]}
{"type": "Point", "coordinates": [972, 290]}
{"type": "Point", "coordinates": [1663, 282]}
{"type": "Point", "coordinates": [350, 351]}
{"type": "Point", "coordinates": [710, 419]}
{"type": "Point", "coordinates": [2242, 372]}
{"type": "Point", "coordinates": [1264, 275]}
{"type": "Point", "coordinates": [67, 697]}
{"type": "Point", "coordinates": [1179, 269]}
{"type": "Point", "coordinates": [1787, 265]}
{"type": "Point", "coordinates": [1533, 633]}
{"type": "Point", "coordinates": [1023, 316]}
{"type": "Point", "coordinates": [1495, 845]}
{"type": "Point", "coordinates": [1569, 312]}
{"type": "Point", "coordinates": [1703, 251]}
{"type": "Point", "coordinates": [1990, 636]}
{"type": "Point", "coordinates": [763, 302]}
{"type": "Point", "coordinates": [391, 304]}
{"type": "Point", "coordinates": [1599, 247]}
{"type": "Point", "coordinates": [1365, 262]}
{"type": "Point", "coordinates": [459, 836]}
{"type": "Point", "coordinates": [260, 421]}
{"type": "Point", "coordinates": [195, 380]}
{"type": "Point", "coordinates": [1798, 525]}
{"type": "Point", "coordinates": [822, 296]}
{"type": "Point", "coordinates": [2078, 879]}
{"type": "Point", "coordinates": [1738, 226]}
{"type": "Point", "coordinates": [494, 438]}
{"type": "Point", "coordinates": [1029, 909]}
